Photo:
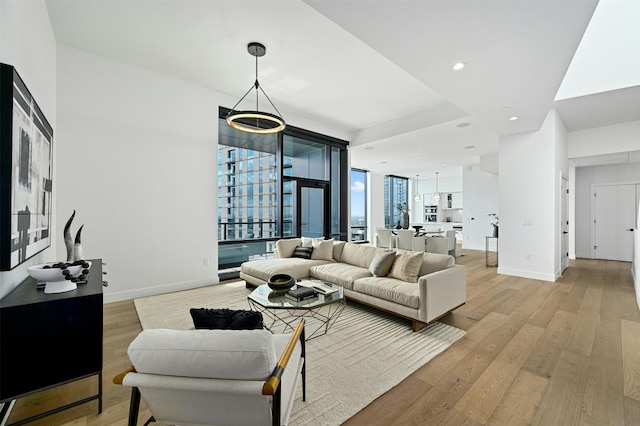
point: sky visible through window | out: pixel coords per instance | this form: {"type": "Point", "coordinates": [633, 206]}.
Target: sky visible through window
{"type": "Point", "coordinates": [358, 179]}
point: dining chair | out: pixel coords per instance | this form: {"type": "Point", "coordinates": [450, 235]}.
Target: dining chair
{"type": "Point", "coordinates": [406, 240]}
{"type": "Point", "coordinates": [383, 237]}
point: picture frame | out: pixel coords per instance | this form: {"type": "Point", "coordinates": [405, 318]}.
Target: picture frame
{"type": "Point", "coordinates": [26, 170]}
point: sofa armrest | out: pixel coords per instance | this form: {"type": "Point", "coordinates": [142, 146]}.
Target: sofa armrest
{"type": "Point", "coordinates": [442, 291]}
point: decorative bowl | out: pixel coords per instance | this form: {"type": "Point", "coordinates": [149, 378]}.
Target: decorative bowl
{"type": "Point", "coordinates": [281, 282]}
{"type": "Point", "coordinates": [52, 275]}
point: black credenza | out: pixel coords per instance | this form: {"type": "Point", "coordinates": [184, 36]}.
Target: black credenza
{"type": "Point", "coordinates": [47, 340]}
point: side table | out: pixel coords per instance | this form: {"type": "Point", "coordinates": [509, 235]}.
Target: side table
{"type": "Point", "coordinates": [486, 251]}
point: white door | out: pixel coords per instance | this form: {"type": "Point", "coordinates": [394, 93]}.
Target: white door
{"type": "Point", "coordinates": [614, 219]}
{"type": "Point", "coordinates": [564, 226]}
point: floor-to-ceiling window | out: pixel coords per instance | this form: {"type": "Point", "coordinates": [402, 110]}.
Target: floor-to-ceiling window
{"type": "Point", "coordinates": [396, 194]}
{"type": "Point", "coordinates": [277, 186]}
{"type": "Point", "coordinates": [359, 225]}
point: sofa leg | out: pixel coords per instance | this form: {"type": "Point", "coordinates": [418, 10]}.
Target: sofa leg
{"type": "Point", "coordinates": [418, 325]}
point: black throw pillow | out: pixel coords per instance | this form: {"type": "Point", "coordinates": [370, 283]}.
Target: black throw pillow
{"type": "Point", "coordinates": [225, 319]}
{"type": "Point", "coordinates": [302, 252]}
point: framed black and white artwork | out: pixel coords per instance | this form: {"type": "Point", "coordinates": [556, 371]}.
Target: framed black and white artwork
{"type": "Point", "coordinates": [26, 168]}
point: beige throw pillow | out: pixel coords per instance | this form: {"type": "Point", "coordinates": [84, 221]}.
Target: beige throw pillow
{"type": "Point", "coordinates": [406, 267]}
{"type": "Point", "coordinates": [381, 264]}
{"type": "Point", "coordinates": [322, 250]}
{"type": "Point", "coordinates": [285, 248]}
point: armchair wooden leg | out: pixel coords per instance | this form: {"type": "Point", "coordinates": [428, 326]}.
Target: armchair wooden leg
{"type": "Point", "coordinates": [304, 365]}
{"type": "Point", "coordinates": [134, 406]}
{"type": "Point", "coordinates": [275, 407]}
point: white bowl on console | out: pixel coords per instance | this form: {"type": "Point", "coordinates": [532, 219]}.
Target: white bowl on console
{"type": "Point", "coordinates": [54, 278]}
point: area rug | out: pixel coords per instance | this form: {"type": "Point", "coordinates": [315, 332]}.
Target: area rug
{"type": "Point", "coordinates": [365, 354]}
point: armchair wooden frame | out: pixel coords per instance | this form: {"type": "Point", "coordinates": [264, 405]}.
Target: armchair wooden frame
{"type": "Point", "coordinates": [271, 386]}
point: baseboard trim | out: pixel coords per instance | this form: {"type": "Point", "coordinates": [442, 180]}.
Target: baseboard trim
{"type": "Point", "coordinates": [160, 289]}
{"type": "Point", "coordinates": [527, 274]}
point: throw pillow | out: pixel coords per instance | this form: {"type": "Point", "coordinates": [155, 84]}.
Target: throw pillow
{"type": "Point", "coordinates": [284, 248]}
{"type": "Point", "coordinates": [308, 242]}
{"type": "Point", "coordinates": [302, 252]}
{"type": "Point", "coordinates": [382, 263]}
{"type": "Point", "coordinates": [322, 250]}
{"type": "Point", "coordinates": [406, 267]}
{"type": "Point", "coordinates": [338, 246]}
{"type": "Point", "coordinates": [225, 319]}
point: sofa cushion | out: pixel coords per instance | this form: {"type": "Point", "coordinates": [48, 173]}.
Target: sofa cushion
{"type": "Point", "coordinates": [391, 289]}
{"type": "Point", "coordinates": [322, 250]}
{"type": "Point", "coordinates": [382, 263]}
{"type": "Point", "coordinates": [263, 269]}
{"type": "Point", "coordinates": [302, 252]}
{"type": "Point", "coordinates": [285, 248]}
{"type": "Point", "coordinates": [434, 262]}
{"type": "Point", "coordinates": [341, 274]}
{"type": "Point", "coordinates": [338, 246]}
{"type": "Point", "coordinates": [359, 254]}
{"type": "Point", "coordinates": [406, 266]}
{"type": "Point", "coordinates": [222, 354]}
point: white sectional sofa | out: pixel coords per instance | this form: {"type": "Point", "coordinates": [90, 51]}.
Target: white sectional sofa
{"type": "Point", "coordinates": [419, 286]}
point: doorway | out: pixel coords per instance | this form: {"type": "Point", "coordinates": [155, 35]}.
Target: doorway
{"type": "Point", "coordinates": [310, 207]}
{"type": "Point", "coordinates": [614, 213]}
{"type": "Point", "coordinates": [564, 225]}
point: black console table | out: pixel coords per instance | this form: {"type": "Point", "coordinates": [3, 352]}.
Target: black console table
{"type": "Point", "coordinates": [47, 340]}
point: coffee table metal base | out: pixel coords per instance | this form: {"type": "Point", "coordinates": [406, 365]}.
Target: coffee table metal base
{"type": "Point", "coordinates": [318, 320]}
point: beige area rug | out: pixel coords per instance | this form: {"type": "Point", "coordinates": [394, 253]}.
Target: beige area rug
{"type": "Point", "coordinates": [365, 354]}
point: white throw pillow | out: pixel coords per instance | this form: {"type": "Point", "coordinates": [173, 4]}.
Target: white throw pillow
{"type": "Point", "coordinates": [322, 250]}
{"type": "Point", "coordinates": [308, 242]}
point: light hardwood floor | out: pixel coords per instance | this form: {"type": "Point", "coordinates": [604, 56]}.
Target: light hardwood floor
{"type": "Point", "coordinates": [535, 352]}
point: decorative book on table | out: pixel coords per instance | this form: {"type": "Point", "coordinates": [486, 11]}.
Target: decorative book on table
{"type": "Point", "coordinates": [301, 293]}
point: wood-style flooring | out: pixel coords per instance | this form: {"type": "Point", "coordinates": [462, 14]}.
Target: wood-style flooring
{"type": "Point", "coordinates": [535, 352]}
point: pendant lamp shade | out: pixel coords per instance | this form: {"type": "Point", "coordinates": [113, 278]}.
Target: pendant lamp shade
{"type": "Point", "coordinates": [256, 121]}
{"type": "Point", "coordinates": [417, 196]}
{"type": "Point", "coordinates": [436, 195]}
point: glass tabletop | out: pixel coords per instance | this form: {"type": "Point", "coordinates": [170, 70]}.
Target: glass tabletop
{"type": "Point", "coordinates": [268, 298]}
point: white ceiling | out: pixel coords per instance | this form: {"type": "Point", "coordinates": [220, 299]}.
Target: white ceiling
{"type": "Point", "coordinates": [379, 69]}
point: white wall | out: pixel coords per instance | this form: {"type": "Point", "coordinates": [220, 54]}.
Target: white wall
{"type": "Point", "coordinates": [529, 195]}
{"type": "Point", "coordinates": [27, 42]}
{"type": "Point", "coordinates": [585, 177]}
{"type": "Point", "coordinates": [605, 140]}
{"type": "Point", "coordinates": [480, 199]}
{"type": "Point", "coordinates": [375, 207]}
{"type": "Point", "coordinates": [636, 258]}
{"type": "Point", "coordinates": [137, 161]}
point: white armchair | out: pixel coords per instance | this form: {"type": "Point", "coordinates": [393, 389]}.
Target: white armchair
{"type": "Point", "coordinates": [212, 377]}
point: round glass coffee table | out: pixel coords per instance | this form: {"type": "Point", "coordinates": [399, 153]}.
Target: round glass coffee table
{"type": "Point", "coordinates": [282, 314]}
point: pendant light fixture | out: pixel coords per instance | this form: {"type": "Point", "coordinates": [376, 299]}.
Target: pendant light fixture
{"type": "Point", "coordinates": [256, 121]}
{"type": "Point", "coordinates": [417, 196]}
{"type": "Point", "coordinates": [436, 195]}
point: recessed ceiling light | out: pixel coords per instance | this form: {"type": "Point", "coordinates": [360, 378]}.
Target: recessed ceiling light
{"type": "Point", "coordinates": [458, 66]}
{"type": "Point", "coordinates": [469, 147]}
{"type": "Point", "coordinates": [383, 162]}
{"type": "Point", "coordinates": [444, 165]}
{"type": "Point", "coordinates": [513, 118]}
{"type": "Point", "coordinates": [463, 124]}
{"type": "Point", "coordinates": [368, 148]}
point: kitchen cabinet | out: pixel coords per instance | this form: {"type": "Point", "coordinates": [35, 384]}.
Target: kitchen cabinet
{"type": "Point", "coordinates": [453, 200]}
